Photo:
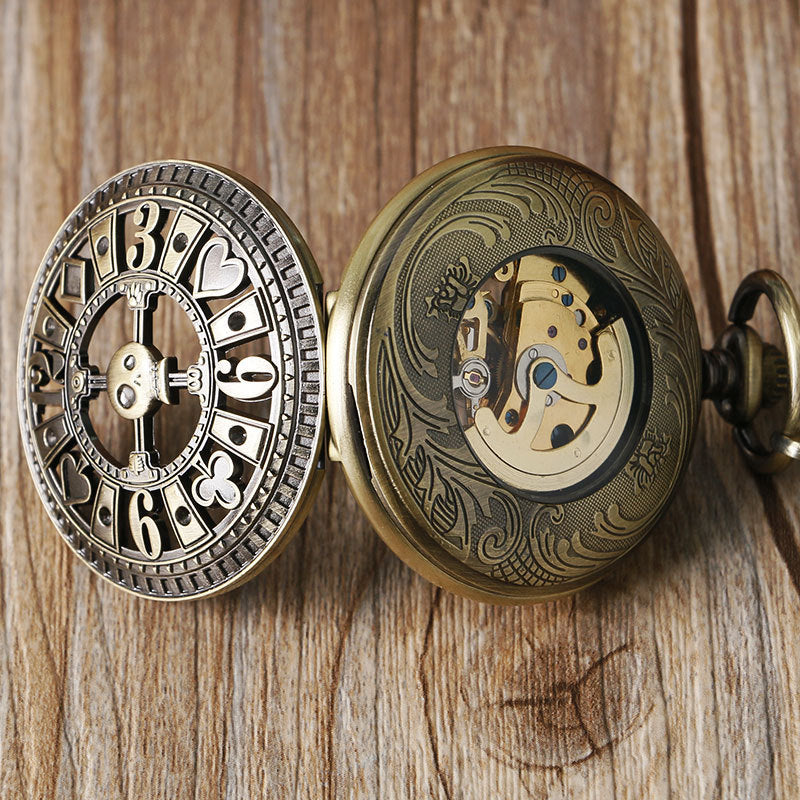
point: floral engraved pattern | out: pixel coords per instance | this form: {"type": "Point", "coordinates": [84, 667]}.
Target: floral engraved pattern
{"type": "Point", "coordinates": [528, 203]}
{"type": "Point", "coordinates": [451, 295]}
{"type": "Point", "coordinates": [643, 465]}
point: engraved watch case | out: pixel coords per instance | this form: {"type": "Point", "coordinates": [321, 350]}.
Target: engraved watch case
{"type": "Point", "coordinates": [511, 376]}
{"type": "Point", "coordinates": [520, 374]}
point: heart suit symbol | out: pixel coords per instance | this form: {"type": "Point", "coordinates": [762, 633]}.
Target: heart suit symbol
{"type": "Point", "coordinates": [218, 273]}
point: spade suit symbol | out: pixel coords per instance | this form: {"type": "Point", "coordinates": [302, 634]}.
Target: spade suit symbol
{"type": "Point", "coordinates": [75, 486]}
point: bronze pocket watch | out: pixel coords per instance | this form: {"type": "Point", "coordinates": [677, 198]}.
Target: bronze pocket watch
{"type": "Point", "coordinates": [510, 374]}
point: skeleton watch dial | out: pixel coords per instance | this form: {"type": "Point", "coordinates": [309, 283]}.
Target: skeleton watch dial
{"type": "Point", "coordinates": [196, 520]}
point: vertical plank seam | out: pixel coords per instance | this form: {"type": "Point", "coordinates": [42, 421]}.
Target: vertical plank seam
{"type": "Point", "coordinates": [237, 82]}
{"type": "Point", "coordinates": [53, 112]}
{"type": "Point", "coordinates": [376, 116]}
{"type": "Point", "coordinates": [196, 702]}
{"type": "Point", "coordinates": [790, 143]}
{"type": "Point", "coordinates": [602, 664]}
{"type": "Point", "coordinates": [442, 780]}
{"type": "Point", "coordinates": [695, 151]}
{"type": "Point", "coordinates": [662, 690]}
{"type": "Point", "coordinates": [114, 699]}
{"type": "Point", "coordinates": [648, 116]}
{"type": "Point", "coordinates": [614, 98]}
{"type": "Point", "coordinates": [19, 756]}
{"type": "Point", "coordinates": [735, 123]}
{"type": "Point", "coordinates": [301, 651]}
{"type": "Point", "coordinates": [15, 745]}
{"type": "Point", "coordinates": [766, 657]}
{"type": "Point", "coordinates": [117, 90]}
{"type": "Point", "coordinates": [307, 27]}
{"type": "Point", "coordinates": [413, 98]}
{"type": "Point", "coordinates": [336, 667]}
{"type": "Point", "coordinates": [773, 195]}
{"type": "Point", "coordinates": [712, 673]}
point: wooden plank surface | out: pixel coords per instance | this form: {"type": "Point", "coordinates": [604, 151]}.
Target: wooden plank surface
{"type": "Point", "coordinates": [340, 673]}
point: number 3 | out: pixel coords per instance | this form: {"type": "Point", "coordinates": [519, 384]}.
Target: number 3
{"type": "Point", "coordinates": [141, 254]}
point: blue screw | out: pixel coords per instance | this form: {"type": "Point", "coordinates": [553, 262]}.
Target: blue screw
{"type": "Point", "coordinates": [544, 376]}
{"type": "Point", "coordinates": [559, 273]}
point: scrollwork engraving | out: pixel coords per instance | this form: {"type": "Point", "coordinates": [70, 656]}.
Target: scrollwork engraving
{"type": "Point", "coordinates": [523, 204]}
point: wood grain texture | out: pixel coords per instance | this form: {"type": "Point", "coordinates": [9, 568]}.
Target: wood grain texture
{"type": "Point", "coordinates": [340, 673]}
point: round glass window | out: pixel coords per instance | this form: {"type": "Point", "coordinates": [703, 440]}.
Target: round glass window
{"type": "Point", "coordinates": [551, 374]}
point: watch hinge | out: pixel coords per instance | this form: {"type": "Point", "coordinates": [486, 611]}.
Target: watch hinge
{"type": "Point", "coordinates": [333, 450]}
{"type": "Point", "coordinates": [330, 302]}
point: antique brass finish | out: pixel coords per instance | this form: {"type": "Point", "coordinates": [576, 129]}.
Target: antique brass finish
{"type": "Point", "coordinates": [476, 517]}
{"type": "Point", "coordinates": [751, 375]}
{"type": "Point", "coordinates": [137, 380]}
{"type": "Point", "coordinates": [200, 522]}
{"type": "Point", "coordinates": [513, 378]}
{"type": "Point", "coordinates": [746, 348]}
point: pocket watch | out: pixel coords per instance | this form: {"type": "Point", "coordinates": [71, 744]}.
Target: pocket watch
{"type": "Point", "coordinates": [510, 375]}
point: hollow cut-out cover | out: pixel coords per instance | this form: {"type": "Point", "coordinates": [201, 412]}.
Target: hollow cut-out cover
{"type": "Point", "coordinates": [221, 503]}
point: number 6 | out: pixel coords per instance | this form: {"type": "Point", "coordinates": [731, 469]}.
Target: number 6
{"type": "Point", "coordinates": [144, 529]}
